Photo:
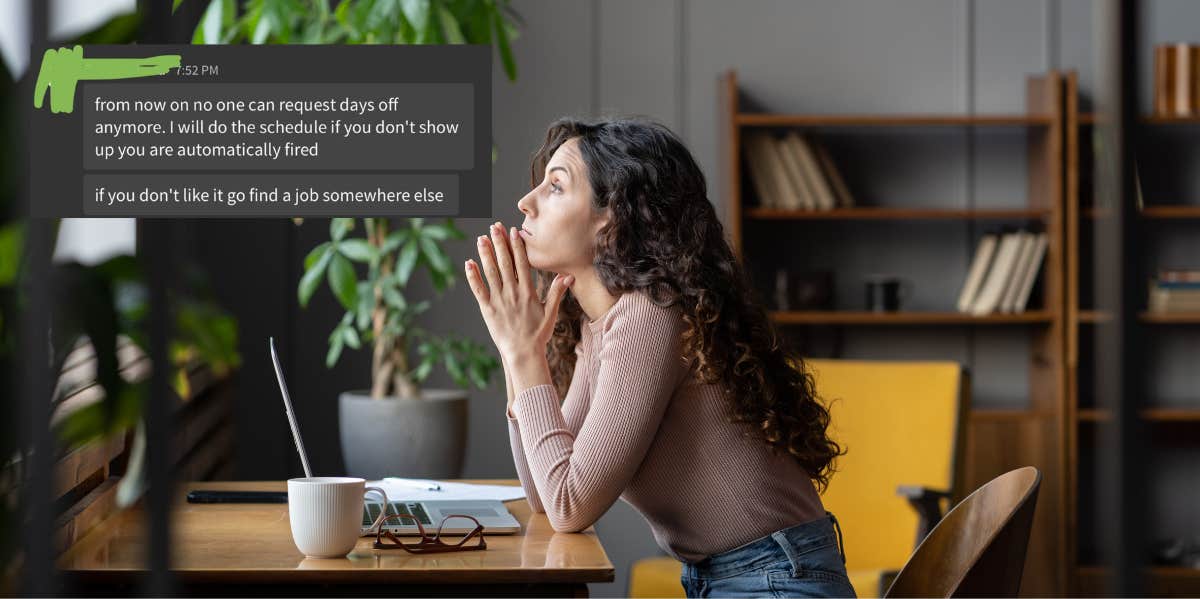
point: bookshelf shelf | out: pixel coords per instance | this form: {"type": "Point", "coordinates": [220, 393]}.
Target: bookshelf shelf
{"type": "Point", "coordinates": [1149, 415]}
{"type": "Point", "coordinates": [1008, 415]}
{"type": "Point", "coordinates": [849, 317]}
{"type": "Point", "coordinates": [1091, 118]}
{"type": "Point", "coordinates": [1170, 317]}
{"type": "Point", "coordinates": [1094, 316]}
{"type": "Point", "coordinates": [1171, 211]}
{"type": "Point", "coordinates": [1159, 212]}
{"type": "Point", "coordinates": [866, 213]}
{"type": "Point", "coordinates": [753, 119]}
{"type": "Point", "coordinates": [1171, 120]}
{"type": "Point", "coordinates": [1160, 581]}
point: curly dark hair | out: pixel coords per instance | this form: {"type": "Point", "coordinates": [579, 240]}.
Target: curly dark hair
{"type": "Point", "coordinates": [664, 238]}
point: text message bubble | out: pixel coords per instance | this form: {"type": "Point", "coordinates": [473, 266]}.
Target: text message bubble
{"type": "Point", "coordinates": [260, 131]}
{"type": "Point", "coordinates": [271, 194]}
{"type": "Point", "coordinates": [258, 126]}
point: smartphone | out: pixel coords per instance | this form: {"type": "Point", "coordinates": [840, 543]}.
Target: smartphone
{"type": "Point", "coordinates": [199, 496]}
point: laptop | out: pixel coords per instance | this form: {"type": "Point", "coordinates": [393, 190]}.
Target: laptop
{"type": "Point", "coordinates": [491, 513]}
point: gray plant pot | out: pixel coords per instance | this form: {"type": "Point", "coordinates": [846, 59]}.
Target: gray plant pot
{"type": "Point", "coordinates": [412, 438]}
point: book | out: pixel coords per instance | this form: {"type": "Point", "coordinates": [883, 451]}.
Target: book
{"type": "Point", "coordinates": [812, 172]}
{"type": "Point", "coordinates": [1009, 299]}
{"type": "Point", "coordinates": [789, 195]}
{"type": "Point", "coordinates": [984, 252]}
{"type": "Point", "coordinates": [1165, 299]}
{"type": "Point", "coordinates": [795, 174]}
{"type": "Point", "coordinates": [1041, 243]}
{"type": "Point", "coordinates": [764, 185]}
{"type": "Point", "coordinates": [1179, 276]}
{"type": "Point", "coordinates": [840, 190]}
{"type": "Point", "coordinates": [990, 294]}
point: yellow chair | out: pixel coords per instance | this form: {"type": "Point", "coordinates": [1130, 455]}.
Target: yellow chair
{"type": "Point", "coordinates": [902, 424]}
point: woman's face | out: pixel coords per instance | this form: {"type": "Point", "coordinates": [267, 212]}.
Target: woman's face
{"type": "Point", "coordinates": [560, 224]}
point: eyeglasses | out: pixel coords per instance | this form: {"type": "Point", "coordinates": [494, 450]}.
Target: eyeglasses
{"type": "Point", "coordinates": [437, 543]}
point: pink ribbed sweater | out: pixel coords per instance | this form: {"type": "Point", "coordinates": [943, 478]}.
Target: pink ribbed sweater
{"type": "Point", "coordinates": [634, 427]}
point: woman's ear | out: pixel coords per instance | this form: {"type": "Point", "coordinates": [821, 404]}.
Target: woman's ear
{"type": "Point", "coordinates": [602, 221]}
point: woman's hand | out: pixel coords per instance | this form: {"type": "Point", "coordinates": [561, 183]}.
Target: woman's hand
{"type": "Point", "coordinates": [520, 323]}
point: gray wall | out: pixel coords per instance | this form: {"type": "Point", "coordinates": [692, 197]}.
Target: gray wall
{"type": "Point", "coordinates": [662, 59]}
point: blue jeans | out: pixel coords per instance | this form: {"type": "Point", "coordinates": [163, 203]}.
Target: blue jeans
{"type": "Point", "coordinates": [805, 560]}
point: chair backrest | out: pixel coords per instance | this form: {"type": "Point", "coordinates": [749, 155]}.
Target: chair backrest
{"type": "Point", "coordinates": [978, 549]}
{"type": "Point", "coordinates": [901, 424]}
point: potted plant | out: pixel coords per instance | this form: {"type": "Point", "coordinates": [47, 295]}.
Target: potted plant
{"type": "Point", "coordinates": [396, 427]}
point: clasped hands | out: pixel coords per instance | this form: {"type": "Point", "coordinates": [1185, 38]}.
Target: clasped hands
{"type": "Point", "coordinates": [519, 322]}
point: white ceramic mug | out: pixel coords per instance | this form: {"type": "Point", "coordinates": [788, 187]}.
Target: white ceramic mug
{"type": "Point", "coordinates": [326, 513]}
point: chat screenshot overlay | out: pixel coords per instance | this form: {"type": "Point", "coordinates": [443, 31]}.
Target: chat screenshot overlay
{"type": "Point", "coordinates": [259, 131]}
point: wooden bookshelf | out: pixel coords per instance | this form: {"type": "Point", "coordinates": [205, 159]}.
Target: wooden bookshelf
{"type": "Point", "coordinates": [876, 213]}
{"type": "Point", "coordinates": [997, 440]}
{"type": "Point", "coordinates": [1090, 580]}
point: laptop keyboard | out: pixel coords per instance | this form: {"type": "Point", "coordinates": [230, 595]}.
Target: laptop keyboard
{"type": "Point", "coordinates": [371, 512]}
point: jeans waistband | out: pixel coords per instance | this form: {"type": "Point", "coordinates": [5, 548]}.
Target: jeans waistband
{"type": "Point", "coordinates": [779, 545]}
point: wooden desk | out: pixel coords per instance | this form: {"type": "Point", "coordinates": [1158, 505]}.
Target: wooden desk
{"type": "Point", "coordinates": [231, 548]}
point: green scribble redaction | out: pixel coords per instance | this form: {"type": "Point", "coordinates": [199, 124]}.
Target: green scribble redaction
{"type": "Point", "coordinates": [64, 68]}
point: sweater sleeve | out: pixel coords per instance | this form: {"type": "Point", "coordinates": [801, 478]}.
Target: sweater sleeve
{"type": "Point", "coordinates": [531, 492]}
{"type": "Point", "coordinates": [578, 477]}
{"type": "Point", "coordinates": [578, 380]}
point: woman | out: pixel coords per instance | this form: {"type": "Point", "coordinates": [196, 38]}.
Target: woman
{"type": "Point", "coordinates": [677, 394]}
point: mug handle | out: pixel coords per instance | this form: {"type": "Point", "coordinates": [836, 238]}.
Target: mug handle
{"type": "Point", "coordinates": [383, 512]}
{"type": "Point", "coordinates": [906, 289]}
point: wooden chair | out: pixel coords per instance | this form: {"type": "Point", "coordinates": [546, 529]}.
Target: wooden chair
{"type": "Point", "coordinates": [978, 549]}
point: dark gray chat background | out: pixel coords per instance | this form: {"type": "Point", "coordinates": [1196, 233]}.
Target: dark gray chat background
{"type": "Point", "coordinates": [443, 83]}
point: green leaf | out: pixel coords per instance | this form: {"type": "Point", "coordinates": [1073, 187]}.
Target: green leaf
{"type": "Point", "coordinates": [475, 370]}
{"type": "Point", "coordinates": [338, 227]}
{"type": "Point", "coordinates": [417, 14]}
{"type": "Point", "coordinates": [208, 31]}
{"type": "Point", "coordinates": [437, 258]}
{"type": "Point", "coordinates": [12, 236]}
{"type": "Point", "coordinates": [312, 277]}
{"type": "Point", "coordinates": [335, 351]}
{"type": "Point", "coordinates": [315, 254]}
{"type": "Point", "coordinates": [450, 28]}
{"type": "Point", "coordinates": [423, 370]}
{"type": "Point", "coordinates": [454, 367]}
{"type": "Point", "coordinates": [342, 281]}
{"type": "Point", "coordinates": [351, 337]}
{"type": "Point", "coordinates": [366, 303]}
{"type": "Point", "coordinates": [506, 55]}
{"type": "Point", "coordinates": [394, 298]}
{"type": "Point", "coordinates": [408, 258]}
{"type": "Point", "coordinates": [438, 232]}
{"type": "Point", "coordinates": [357, 249]}
{"type": "Point", "coordinates": [393, 241]}
{"type": "Point", "coordinates": [175, 5]}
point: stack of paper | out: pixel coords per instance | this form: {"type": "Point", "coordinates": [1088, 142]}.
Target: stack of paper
{"type": "Point", "coordinates": [416, 489]}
